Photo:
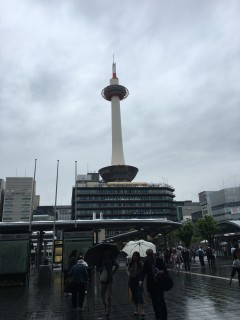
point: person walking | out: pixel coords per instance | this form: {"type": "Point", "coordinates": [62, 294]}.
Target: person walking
{"type": "Point", "coordinates": [209, 255]}
{"type": "Point", "coordinates": [201, 256]}
{"type": "Point", "coordinates": [175, 260]}
{"type": "Point", "coordinates": [186, 259]}
{"type": "Point", "coordinates": [72, 260]}
{"type": "Point", "coordinates": [107, 267]}
{"type": "Point", "coordinates": [134, 273]}
{"type": "Point", "coordinates": [79, 278]}
{"type": "Point", "coordinates": [236, 266]}
{"type": "Point", "coordinates": [157, 295]}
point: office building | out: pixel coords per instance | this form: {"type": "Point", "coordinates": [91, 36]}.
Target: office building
{"type": "Point", "coordinates": [185, 209]}
{"type": "Point", "coordinates": [222, 205]}
{"type": "Point", "coordinates": [46, 213]}
{"type": "Point", "coordinates": [122, 200]}
{"type": "Point", "coordinates": [19, 201]}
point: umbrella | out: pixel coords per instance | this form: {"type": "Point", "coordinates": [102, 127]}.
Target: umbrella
{"type": "Point", "coordinates": [94, 254]}
{"type": "Point", "coordinates": [204, 241]}
{"type": "Point", "coordinates": [140, 246]}
{"type": "Point", "coordinates": [223, 243]}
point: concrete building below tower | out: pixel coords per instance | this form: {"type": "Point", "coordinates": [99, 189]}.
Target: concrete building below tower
{"type": "Point", "coordinates": [122, 200]}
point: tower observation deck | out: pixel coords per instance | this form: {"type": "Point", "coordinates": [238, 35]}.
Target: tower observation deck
{"type": "Point", "coordinates": [118, 171]}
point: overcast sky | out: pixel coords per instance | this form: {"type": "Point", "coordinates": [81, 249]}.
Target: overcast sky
{"type": "Point", "coordinates": [180, 61]}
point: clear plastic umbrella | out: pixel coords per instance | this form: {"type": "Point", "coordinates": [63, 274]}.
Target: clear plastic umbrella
{"type": "Point", "coordinates": [140, 246]}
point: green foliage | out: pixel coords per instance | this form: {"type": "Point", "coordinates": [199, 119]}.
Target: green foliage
{"type": "Point", "coordinates": [207, 227]}
{"type": "Point", "coordinates": [172, 238]}
{"type": "Point", "coordinates": [185, 233]}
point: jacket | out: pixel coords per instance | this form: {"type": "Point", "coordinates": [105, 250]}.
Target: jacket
{"type": "Point", "coordinates": [149, 269]}
{"type": "Point", "coordinates": [79, 273]}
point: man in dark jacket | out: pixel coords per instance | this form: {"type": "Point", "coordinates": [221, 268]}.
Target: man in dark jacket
{"type": "Point", "coordinates": [79, 277]}
{"type": "Point", "coordinates": [149, 269]}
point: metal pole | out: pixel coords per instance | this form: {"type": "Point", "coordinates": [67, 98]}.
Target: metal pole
{"type": "Point", "coordinates": [54, 216]}
{"type": "Point", "coordinates": [31, 212]}
{"type": "Point", "coordinates": [75, 211]}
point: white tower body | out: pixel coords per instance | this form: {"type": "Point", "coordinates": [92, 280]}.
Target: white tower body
{"type": "Point", "coordinates": [117, 144]}
{"type": "Point", "coordinates": [118, 171]}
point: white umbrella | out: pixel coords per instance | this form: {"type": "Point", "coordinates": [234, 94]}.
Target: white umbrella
{"type": "Point", "coordinates": [223, 243]}
{"type": "Point", "coordinates": [140, 246]}
{"type": "Point", "coordinates": [204, 241]}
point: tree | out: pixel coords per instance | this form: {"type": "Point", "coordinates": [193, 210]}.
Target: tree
{"type": "Point", "coordinates": [185, 233]}
{"type": "Point", "coordinates": [207, 227]}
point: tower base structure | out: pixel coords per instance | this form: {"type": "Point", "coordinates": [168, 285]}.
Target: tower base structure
{"type": "Point", "coordinates": [118, 173]}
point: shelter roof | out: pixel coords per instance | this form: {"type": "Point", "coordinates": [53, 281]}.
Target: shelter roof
{"type": "Point", "coordinates": [157, 225]}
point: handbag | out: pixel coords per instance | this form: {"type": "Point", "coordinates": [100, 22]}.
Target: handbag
{"type": "Point", "coordinates": [164, 281]}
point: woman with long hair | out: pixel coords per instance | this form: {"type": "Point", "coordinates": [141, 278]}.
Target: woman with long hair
{"type": "Point", "coordinates": [134, 273]}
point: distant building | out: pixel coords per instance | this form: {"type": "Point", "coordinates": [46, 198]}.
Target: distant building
{"type": "Point", "coordinates": [2, 191]}
{"type": "Point", "coordinates": [122, 200]}
{"type": "Point", "coordinates": [20, 199]}
{"type": "Point", "coordinates": [222, 205]}
{"type": "Point", "coordinates": [46, 213]}
{"type": "Point", "coordinates": [185, 209]}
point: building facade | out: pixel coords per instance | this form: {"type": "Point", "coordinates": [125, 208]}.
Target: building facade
{"type": "Point", "coordinates": [19, 200]}
{"type": "Point", "coordinates": [185, 209]}
{"type": "Point", "coordinates": [122, 200]}
{"type": "Point", "coordinates": [46, 213]}
{"type": "Point", "coordinates": [222, 205]}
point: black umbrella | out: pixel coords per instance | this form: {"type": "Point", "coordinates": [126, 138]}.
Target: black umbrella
{"type": "Point", "coordinates": [94, 254]}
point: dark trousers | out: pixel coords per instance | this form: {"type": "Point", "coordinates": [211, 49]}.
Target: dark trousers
{"type": "Point", "coordinates": [234, 270]}
{"type": "Point", "coordinates": [209, 259]}
{"type": "Point", "coordinates": [186, 264]}
{"type": "Point", "coordinates": [78, 294]}
{"type": "Point", "coordinates": [201, 259]}
{"type": "Point", "coordinates": [158, 303]}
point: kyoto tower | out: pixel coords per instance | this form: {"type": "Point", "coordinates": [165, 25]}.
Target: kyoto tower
{"type": "Point", "coordinates": [118, 171]}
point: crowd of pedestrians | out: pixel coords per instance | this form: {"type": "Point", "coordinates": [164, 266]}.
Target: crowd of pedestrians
{"type": "Point", "coordinates": [138, 270]}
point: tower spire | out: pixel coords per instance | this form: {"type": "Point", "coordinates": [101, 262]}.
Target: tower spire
{"type": "Point", "coordinates": [114, 72]}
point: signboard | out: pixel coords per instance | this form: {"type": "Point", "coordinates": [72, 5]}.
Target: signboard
{"type": "Point", "coordinates": [235, 210]}
{"type": "Point", "coordinates": [14, 250]}
{"type": "Point", "coordinates": [57, 251]}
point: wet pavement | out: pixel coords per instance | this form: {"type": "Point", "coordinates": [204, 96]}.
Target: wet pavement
{"type": "Point", "coordinates": [202, 293]}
